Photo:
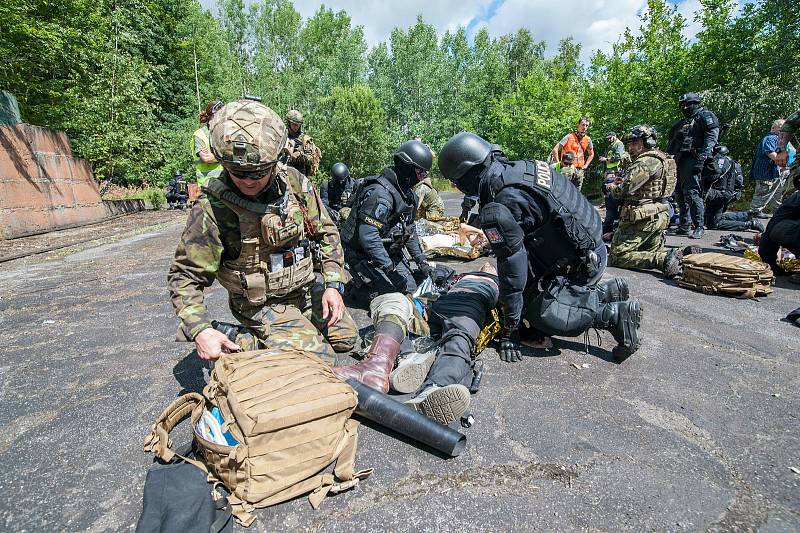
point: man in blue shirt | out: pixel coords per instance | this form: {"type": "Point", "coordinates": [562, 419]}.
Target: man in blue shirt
{"type": "Point", "coordinates": [765, 172]}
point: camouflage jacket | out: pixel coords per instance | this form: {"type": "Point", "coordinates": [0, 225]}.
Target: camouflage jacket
{"type": "Point", "coordinates": [303, 154]}
{"type": "Point", "coordinates": [644, 178]}
{"type": "Point", "coordinates": [429, 203]}
{"type": "Point", "coordinates": [212, 238]}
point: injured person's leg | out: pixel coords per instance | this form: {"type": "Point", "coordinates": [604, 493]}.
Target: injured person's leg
{"type": "Point", "coordinates": [456, 318]}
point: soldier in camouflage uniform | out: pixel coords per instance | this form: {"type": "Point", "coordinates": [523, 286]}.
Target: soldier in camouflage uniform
{"type": "Point", "coordinates": [262, 232]}
{"type": "Point", "coordinates": [639, 239]}
{"type": "Point", "coordinates": [300, 151]}
{"type": "Point", "coordinates": [429, 203]}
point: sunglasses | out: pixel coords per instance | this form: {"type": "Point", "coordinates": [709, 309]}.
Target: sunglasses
{"type": "Point", "coordinates": [254, 176]}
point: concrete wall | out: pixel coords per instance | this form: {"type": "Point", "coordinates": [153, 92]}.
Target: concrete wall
{"type": "Point", "coordinates": [42, 187]}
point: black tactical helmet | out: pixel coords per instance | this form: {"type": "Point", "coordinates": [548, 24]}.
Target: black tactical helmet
{"type": "Point", "coordinates": [644, 132]}
{"type": "Point", "coordinates": [689, 98]}
{"type": "Point", "coordinates": [414, 153]}
{"type": "Point", "coordinates": [462, 152]}
{"type": "Point", "coordinates": [568, 158]}
{"type": "Point", "coordinates": [721, 149]}
{"type": "Point", "coordinates": [340, 171]}
{"type": "Point", "coordinates": [178, 174]}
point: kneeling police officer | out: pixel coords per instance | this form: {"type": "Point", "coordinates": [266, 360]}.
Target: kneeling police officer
{"type": "Point", "coordinates": [381, 225]}
{"type": "Point", "coordinates": [547, 239]}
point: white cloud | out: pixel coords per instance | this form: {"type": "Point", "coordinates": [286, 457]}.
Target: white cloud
{"type": "Point", "coordinates": [596, 24]}
{"type": "Point", "coordinates": [380, 17]}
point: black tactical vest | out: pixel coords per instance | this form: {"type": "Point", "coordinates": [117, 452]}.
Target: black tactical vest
{"type": "Point", "coordinates": [397, 229]}
{"type": "Point", "coordinates": [571, 230]}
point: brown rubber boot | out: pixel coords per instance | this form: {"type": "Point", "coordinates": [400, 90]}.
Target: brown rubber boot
{"type": "Point", "coordinates": [379, 361]}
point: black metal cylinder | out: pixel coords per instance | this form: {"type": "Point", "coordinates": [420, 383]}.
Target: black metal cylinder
{"type": "Point", "coordinates": [383, 410]}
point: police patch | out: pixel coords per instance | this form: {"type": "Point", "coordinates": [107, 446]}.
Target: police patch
{"type": "Point", "coordinates": [493, 235]}
{"type": "Point", "coordinates": [372, 222]}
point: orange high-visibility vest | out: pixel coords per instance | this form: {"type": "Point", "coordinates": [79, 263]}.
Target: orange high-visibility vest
{"type": "Point", "coordinates": [577, 147]}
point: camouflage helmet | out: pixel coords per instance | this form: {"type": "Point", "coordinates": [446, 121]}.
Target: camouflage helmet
{"type": "Point", "coordinates": [247, 136]}
{"type": "Point", "coordinates": [644, 132]}
{"type": "Point", "coordinates": [294, 116]}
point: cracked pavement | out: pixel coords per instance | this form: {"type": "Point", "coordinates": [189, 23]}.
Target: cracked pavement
{"type": "Point", "coordinates": [695, 432]}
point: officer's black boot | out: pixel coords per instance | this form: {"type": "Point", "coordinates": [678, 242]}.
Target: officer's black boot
{"type": "Point", "coordinates": [622, 319]}
{"type": "Point", "coordinates": [612, 290]}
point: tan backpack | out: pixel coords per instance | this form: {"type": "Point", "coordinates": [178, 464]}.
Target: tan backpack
{"type": "Point", "coordinates": [290, 415]}
{"type": "Point", "coordinates": [713, 272]}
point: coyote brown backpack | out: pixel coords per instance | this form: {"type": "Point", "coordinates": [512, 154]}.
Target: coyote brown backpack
{"type": "Point", "coordinates": [713, 272]}
{"type": "Point", "coordinates": [290, 415]}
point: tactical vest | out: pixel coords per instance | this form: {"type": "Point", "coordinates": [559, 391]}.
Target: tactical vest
{"type": "Point", "coordinates": [397, 230]}
{"type": "Point", "coordinates": [662, 182]}
{"type": "Point", "coordinates": [571, 230]}
{"type": "Point", "coordinates": [339, 195]}
{"type": "Point", "coordinates": [204, 171]}
{"type": "Point", "coordinates": [266, 230]}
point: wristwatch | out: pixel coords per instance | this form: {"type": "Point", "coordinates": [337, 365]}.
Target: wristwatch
{"type": "Point", "coordinates": [338, 285]}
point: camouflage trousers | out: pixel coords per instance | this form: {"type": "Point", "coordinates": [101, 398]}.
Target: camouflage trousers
{"type": "Point", "coordinates": [577, 178]}
{"type": "Point", "coordinates": [640, 244]}
{"type": "Point", "coordinates": [296, 322]}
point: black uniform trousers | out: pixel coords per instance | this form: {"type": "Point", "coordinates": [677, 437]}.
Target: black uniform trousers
{"type": "Point", "coordinates": [689, 193]}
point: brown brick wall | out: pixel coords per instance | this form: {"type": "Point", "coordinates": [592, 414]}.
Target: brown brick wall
{"type": "Point", "coordinates": [42, 187]}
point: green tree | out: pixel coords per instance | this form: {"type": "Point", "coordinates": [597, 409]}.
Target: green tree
{"type": "Point", "coordinates": [353, 130]}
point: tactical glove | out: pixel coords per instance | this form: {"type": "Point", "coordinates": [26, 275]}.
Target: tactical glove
{"type": "Point", "coordinates": [426, 269]}
{"type": "Point", "coordinates": [510, 349]}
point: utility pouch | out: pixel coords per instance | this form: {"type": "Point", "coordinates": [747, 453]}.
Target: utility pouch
{"type": "Point", "coordinates": [644, 212]}
{"type": "Point", "coordinates": [255, 287]}
{"type": "Point", "coordinates": [277, 231]}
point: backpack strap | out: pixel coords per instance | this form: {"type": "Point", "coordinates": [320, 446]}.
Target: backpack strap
{"type": "Point", "coordinates": [158, 441]}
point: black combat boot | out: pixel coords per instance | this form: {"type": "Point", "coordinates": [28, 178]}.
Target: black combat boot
{"type": "Point", "coordinates": [689, 250]}
{"type": "Point", "coordinates": [622, 319]}
{"type": "Point", "coordinates": [672, 264]}
{"type": "Point", "coordinates": [612, 290]}
{"type": "Point", "coordinates": [697, 233]}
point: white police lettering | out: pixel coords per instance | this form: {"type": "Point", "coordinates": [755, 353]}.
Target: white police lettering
{"type": "Point", "coordinates": [543, 174]}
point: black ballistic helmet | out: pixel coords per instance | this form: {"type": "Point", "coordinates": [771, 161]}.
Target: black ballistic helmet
{"type": "Point", "coordinates": [689, 98]}
{"type": "Point", "coordinates": [340, 171]}
{"type": "Point", "coordinates": [415, 154]}
{"type": "Point", "coordinates": [461, 153]}
{"type": "Point", "coordinates": [721, 149]}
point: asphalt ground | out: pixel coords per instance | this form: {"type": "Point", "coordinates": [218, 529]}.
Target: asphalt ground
{"type": "Point", "coordinates": [698, 431]}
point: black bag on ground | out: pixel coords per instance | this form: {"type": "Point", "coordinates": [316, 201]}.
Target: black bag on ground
{"type": "Point", "coordinates": [177, 499]}
{"type": "Point", "coordinates": [563, 309]}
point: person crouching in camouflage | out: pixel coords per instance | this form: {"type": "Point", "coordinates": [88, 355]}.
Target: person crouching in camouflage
{"type": "Point", "coordinates": [639, 239]}
{"type": "Point", "coordinates": [300, 152]}
{"type": "Point", "coordinates": [262, 232]}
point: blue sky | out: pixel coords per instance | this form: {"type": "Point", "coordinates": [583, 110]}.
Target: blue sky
{"type": "Point", "coordinates": [593, 23]}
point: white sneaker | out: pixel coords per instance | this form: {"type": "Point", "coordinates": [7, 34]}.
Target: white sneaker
{"type": "Point", "coordinates": [411, 371]}
{"type": "Point", "coordinates": [443, 404]}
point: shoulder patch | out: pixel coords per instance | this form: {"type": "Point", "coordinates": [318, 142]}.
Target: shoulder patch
{"type": "Point", "coordinates": [381, 210]}
{"type": "Point", "coordinates": [494, 235]}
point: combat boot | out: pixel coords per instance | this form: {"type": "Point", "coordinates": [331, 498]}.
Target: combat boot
{"type": "Point", "coordinates": [698, 232]}
{"type": "Point", "coordinates": [379, 360]}
{"type": "Point", "coordinates": [689, 250]}
{"type": "Point", "coordinates": [672, 264]}
{"type": "Point", "coordinates": [443, 404]}
{"type": "Point", "coordinates": [756, 225]}
{"type": "Point", "coordinates": [683, 230]}
{"type": "Point", "coordinates": [412, 371]}
{"type": "Point", "coordinates": [612, 290]}
{"type": "Point", "coordinates": [622, 319]}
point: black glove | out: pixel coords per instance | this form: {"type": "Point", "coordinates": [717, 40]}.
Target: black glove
{"type": "Point", "coordinates": [425, 268]}
{"type": "Point", "coordinates": [510, 348]}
